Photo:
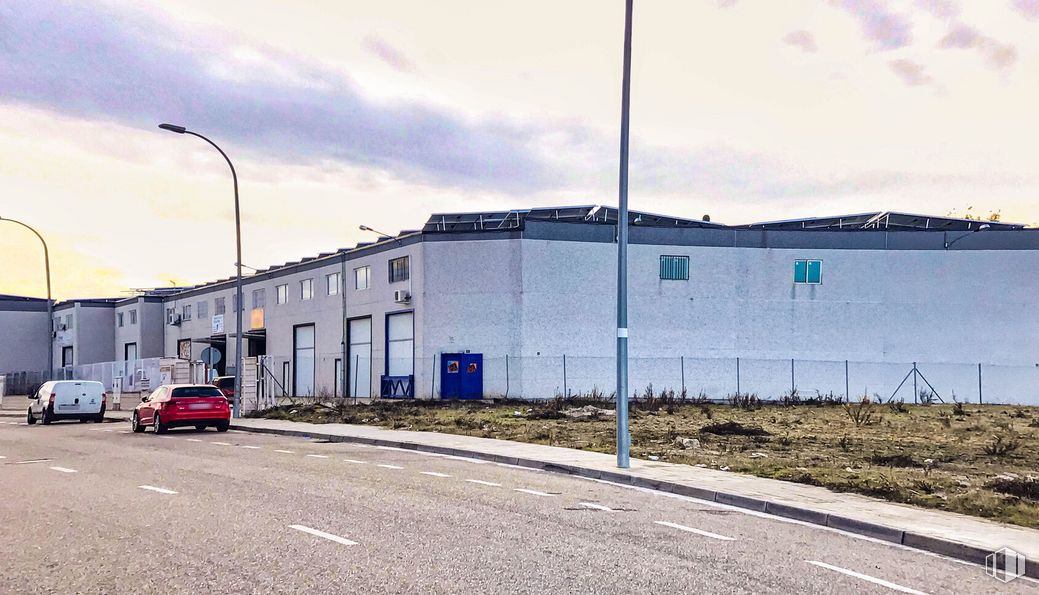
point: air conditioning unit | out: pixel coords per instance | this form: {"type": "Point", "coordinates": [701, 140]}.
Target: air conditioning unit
{"type": "Point", "coordinates": [175, 321]}
{"type": "Point", "coordinates": [401, 296]}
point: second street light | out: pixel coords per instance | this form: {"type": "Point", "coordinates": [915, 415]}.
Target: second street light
{"type": "Point", "coordinates": [50, 302]}
{"type": "Point", "coordinates": [623, 435]}
{"type": "Point", "coordinates": [239, 302]}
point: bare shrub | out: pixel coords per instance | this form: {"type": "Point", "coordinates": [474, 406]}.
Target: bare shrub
{"type": "Point", "coordinates": [860, 413]}
{"type": "Point", "coordinates": [745, 401]}
{"type": "Point", "coordinates": [1001, 445]}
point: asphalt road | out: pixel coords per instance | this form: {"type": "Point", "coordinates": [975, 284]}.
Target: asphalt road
{"type": "Point", "coordinates": [93, 508]}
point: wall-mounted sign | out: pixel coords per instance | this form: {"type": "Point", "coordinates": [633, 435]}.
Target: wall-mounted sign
{"type": "Point", "coordinates": [256, 319]}
{"type": "Point", "coordinates": [218, 323]}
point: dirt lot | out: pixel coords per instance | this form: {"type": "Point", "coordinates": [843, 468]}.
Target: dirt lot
{"type": "Point", "coordinates": [972, 459]}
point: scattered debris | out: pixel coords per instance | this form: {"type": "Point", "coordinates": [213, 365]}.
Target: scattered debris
{"type": "Point", "coordinates": [681, 442]}
{"type": "Point", "coordinates": [758, 455]}
{"type": "Point", "coordinates": [588, 412]}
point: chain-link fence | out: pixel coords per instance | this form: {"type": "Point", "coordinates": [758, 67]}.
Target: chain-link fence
{"type": "Point", "coordinates": [124, 376]}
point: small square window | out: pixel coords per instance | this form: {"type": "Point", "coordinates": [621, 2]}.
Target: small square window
{"type": "Point", "coordinates": [809, 272]}
{"type": "Point", "coordinates": [362, 277]}
{"type": "Point", "coordinates": [259, 299]}
{"type": "Point", "coordinates": [306, 289]}
{"type": "Point", "coordinates": [219, 305]}
{"type": "Point", "coordinates": [399, 269]}
{"type": "Point", "coordinates": [133, 317]}
{"type": "Point", "coordinates": [187, 312]}
{"type": "Point", "coordinates": [119, 319]}
{"type": "Point", "coordinates": [202, 309]}
{"type": "Point", "coordinates": [282, 294]}
{"type": "Point", "coordinates": [674, 268]}
{"type": "Point", "coordinates": [332, 283]}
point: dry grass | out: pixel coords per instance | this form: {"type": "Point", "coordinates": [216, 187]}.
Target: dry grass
{"type": "Point", "coordinates": [972, 459]}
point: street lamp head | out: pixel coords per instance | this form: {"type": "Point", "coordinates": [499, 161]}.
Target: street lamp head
{"type": "Point", "coordinates": [985, 226]}
{"type": "Point", "coordinates": [365, 228]}
{"type": "Point", "coordinates": [173, 128]}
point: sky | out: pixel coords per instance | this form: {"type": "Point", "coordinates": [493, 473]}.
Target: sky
{"type": "Point", "coordinates": [345, 113]}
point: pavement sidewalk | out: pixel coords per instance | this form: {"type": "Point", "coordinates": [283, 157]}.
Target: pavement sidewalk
{"type": "Point", "coordinates": [946, 533]}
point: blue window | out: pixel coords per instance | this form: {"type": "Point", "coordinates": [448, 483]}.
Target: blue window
{"type": "Point", "coordinates": [808, 271]}
{"type": "Point", "coordinates": [674, 268]}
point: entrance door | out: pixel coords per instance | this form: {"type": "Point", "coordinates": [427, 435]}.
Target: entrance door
{"type": "Point", "coordinates": [66, 357]}
{"type": "Point", "coordinates": [359, 364]}
{"type": "Point", "coordinates": [130, 352]}
{"type": "Point", "coordinates": [303, 348]}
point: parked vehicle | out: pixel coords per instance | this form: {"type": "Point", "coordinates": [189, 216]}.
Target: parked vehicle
{"type": "Point", "coordinates": [178, 405]}
{"type": "Point", "coordinates": [56, 400]}
{"type": "Point", "coordinates": [226, 386]}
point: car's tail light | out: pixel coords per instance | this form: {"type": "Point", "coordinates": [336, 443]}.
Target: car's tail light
{"type": "Point", "coordinates": [104, 399]}
{"type": "Point", "coordinates": [51, 400]}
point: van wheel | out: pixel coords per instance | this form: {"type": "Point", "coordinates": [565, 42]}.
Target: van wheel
{"type": "Point", "coordinates": [160, 428]}
{"type": "Point", "coordinates": [47, 417]}
{"type": "Point", "coordinates": [135, 424]}
{"type": "Point", "coordinates": [30, 418]}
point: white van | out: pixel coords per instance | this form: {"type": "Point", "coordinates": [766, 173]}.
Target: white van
{"type": "Point", "coordinates": [68, 399]}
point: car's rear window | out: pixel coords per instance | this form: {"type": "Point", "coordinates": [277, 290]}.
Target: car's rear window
{"type": "Point", "coordinates": [197, 391]}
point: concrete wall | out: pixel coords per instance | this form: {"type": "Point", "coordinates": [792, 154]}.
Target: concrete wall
{"type": "Point", "coordinates": [92, 335]}
{"type": "Point", "coordinates": [23, 335]}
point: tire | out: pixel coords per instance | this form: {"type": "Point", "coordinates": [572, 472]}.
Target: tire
{"type": "Point", "coordinates": [100, 417]}
{"type": "Point", "coordinates": [47, 419]}
{"type": "Point", "coordinates": [200, 428]}
{"type": "Point", "coordinates": [30, 418]}
{"type": "Point", "coordinates": [223, 426]}
{"type": "Point", "coordinates": [135, 424]}
{"type": "Point", "coordinates": [84, 420]}
{"type": "Point", "coordinates": [160, 428]}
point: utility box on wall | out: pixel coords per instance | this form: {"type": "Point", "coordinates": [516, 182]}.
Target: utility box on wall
{"type": "Point", "coordinates": [461, 376]}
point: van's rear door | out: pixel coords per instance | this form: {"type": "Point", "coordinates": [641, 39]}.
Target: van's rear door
{"type": "Point", "coordinates": [77, 398]}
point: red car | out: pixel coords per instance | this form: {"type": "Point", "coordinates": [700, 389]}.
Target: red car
{"type": "Point", "coordinates": [226, 386]}
{"type": "Point", "coordinates": [178, 405]}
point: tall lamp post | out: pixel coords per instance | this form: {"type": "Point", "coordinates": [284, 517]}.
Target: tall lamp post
{"type": "Point", "coordinates": [240, 304]}
{"type": "Point", "coordinates": [50, 302]}
{"type": "Point", "coordinates": [623, 435]}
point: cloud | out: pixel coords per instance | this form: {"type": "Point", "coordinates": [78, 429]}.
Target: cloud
{"type": "Point", "coordinates": [120, 65]}
{"type": "Point", "coordinates": [998, 55]}
{"type": "Point", "coordinates": [801, 39]}
{"type": "Point", "coordinates": [942, 9]}
{"type": "Point", "coordinates": [389, 54]}
{"type": "Point", "coordinates": [887, 29]}
{"type": "Point", "coordinates": [1027, 8]}
{"type": "Point", "coordinates": [910, 72]}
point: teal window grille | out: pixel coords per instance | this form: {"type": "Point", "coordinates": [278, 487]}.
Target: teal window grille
{"type": "Point", "coordinates": [809, 272]}
{"type": "Point", "coordinates": [674, 268]}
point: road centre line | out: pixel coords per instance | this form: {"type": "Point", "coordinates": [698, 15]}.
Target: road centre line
{"type": "Point", "coordinates": [26, 462]}
{"type": "Point", "coordinates": [532, 492]}
{"type": "Point", "coordinates": [251, 447]}
{"type": "Point", "coordinates": [322, 534]}
{"type": "Point", "coordinates": [288, 452]}
{"type": "Point", "coordinates": [697, 531]}
{"type": "Point", "coordinates": [318, 456]}
{"type": "Point", "coordinates": [596, 506]}
{"type": "Point", "coordinates": [64, 469]}
{"type": "Point", "coordinates": [159, 490]}
{"type": "Point", "coordinates": [434, 474]}
{"type": "Point", "coordinates": [866, 577]}
{"type": "Point", "coordinates": [356, 462]}
{"type": "Point", "coordinates": [484, 483]}
{"type": "Point", "coordinates": [194, 440]}
{"type": "Point", "coordinates": [222, 443]}
{"type": "Point", "coordinates": [385, 466]}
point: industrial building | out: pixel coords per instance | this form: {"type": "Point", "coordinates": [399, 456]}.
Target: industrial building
{"type": "Point", "coordinates": [522, 303]}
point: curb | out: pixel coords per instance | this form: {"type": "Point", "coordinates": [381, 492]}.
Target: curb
{"type": "Point", "coordinates": [935, 545]}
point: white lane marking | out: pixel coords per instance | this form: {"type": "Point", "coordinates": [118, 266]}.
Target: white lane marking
{"type": "Point", "coordinates": [484, 483]}
{"type": "Point", "coordinates": [194, 440]}
{"type": "Point", "coordinates": [2, 457]}
{"type": "Point", "coordinates": [64, 469]}
{"type": "Point", "coordinates": [389, 466]}
{"type": "Point", "coordinates": [30, 461]}
{"type": "Point", "coordinates": [356, 462]}
{"type": "Point", "coordinates": [596, 506]}
{"type": "Point", "coordinates": [532, 492]}
{"type": "Point", "coordinates": [324, 535]}
{"type": "Point", "coordinates": [434, 474]}
{"type": "Point", "coordinates": [318, 456]}
{"type": "Point", "coordinates": [222, 443]}
{"type": "Point", "coordinates": [251, 447]}
{"type": "Point", "coordinates": [125, 432]}
{"type": "Point", "coordinates": [108, 430]}
{"type": "Point", "coordinates": [159, 490]}
{"type": "Point", "coordinates": [697, 531]}
{"type": "Point", "coordinates": [288, 452]}
{"type": "Point", "coordinates": [866, 577]}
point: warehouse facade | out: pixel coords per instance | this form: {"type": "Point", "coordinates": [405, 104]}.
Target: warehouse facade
{"type": "Point", "coordinates": [525, 300]}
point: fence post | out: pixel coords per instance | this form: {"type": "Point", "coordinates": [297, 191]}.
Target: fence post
{"type": "Point", "coordinates": [737, 375]}
{"type": "Point", "coordinates": [565, 391]}
{"type": "Point", "coordinates": [683, 374]}
{"type": "Point", "coordinates": [793, 386]}
{"type": "Point", "coordinates": [433, 380]}
{"type": "Point", "coordinates": [979, 385]}
{"type": "Point", "coordinates": [506, 375]}
{"type": "Point", "coordinates": [357, 364]}
{"type": "Point", "coordinates": [916, 393]}
{"type": "Point", "coordinates": [847, 389]}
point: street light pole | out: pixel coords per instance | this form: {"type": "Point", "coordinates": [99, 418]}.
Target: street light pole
{"type": "Point", "coordinates": [240, 305]}
{"type": "Point", "coordinates": [50, 302]}
{"type": "Point", "coordinates": [623, 435]}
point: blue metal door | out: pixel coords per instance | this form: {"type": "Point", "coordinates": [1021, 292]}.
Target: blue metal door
{"type": "Point", "coordinates": [461, 376]}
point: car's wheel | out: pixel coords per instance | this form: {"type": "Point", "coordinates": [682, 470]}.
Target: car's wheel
{"type": "Point", "coordinates": [84, 420]}
{"type": "Point", "coordinates": [200, 428]}
{"type": "Point", "coordinates": [135, 424]}
{"type": "Point", "coordinates": [47, 419]}
{"type": "Point", "coordinates": [160, 428]}
{"type": "Point", "coordinates": [30, 418]}
{"type": "Point", "coordinates": [100, 417]}
{"type": "Point", "coordinates": [223, 426]}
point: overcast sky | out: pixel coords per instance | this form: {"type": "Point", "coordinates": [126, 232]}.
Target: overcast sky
{"type": "Point", "coordinates": [345, 112]}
